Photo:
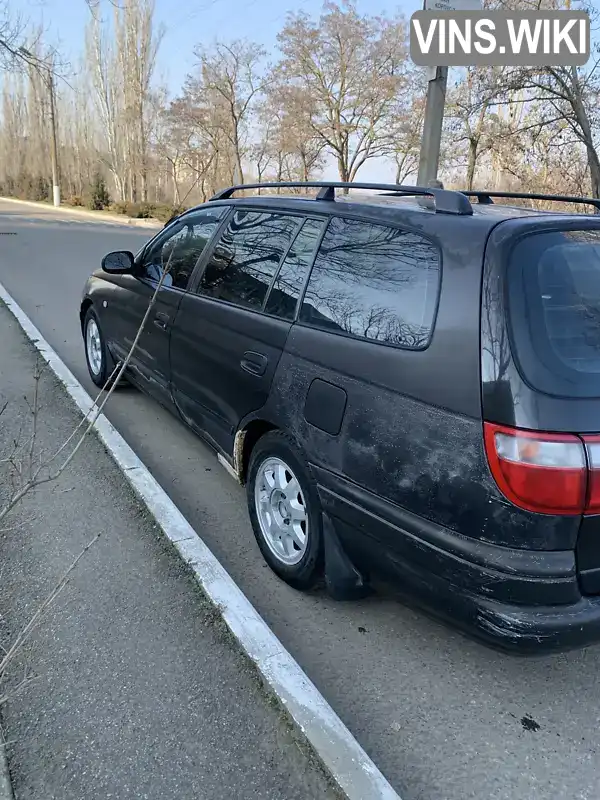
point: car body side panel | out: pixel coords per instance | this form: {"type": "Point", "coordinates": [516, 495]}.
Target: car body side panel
{"type": "Point", "coordinates": [121, 301]}
{"type": "Point", "coordinates": [419, 457]}
{"type": "Point", "coordinates": [211, 342]}
{"type": "Point", "coordinates": [412, 427]}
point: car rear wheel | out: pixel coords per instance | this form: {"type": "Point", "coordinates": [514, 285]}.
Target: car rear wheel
{"type": "Point", "coordinates": [285, 511]}
{"type": "Point", "coordinates": [99, 360]}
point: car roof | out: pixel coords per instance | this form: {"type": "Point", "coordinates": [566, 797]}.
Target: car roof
{"type": "Point", "coordinates": [371, 203]}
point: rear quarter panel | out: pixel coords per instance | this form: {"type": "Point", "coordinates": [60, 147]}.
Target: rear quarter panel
{"type": "Point", "coordinates": [411, 434]}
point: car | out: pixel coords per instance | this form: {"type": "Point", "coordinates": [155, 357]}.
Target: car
{"type": "Point", "coordinates": [406, 380]}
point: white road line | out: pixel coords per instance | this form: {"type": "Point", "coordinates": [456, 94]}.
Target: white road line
{"type": "Point", "coordinates": [343, 757]}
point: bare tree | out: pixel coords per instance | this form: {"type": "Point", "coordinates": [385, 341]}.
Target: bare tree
{"type": "Point", "coordinates": [408, 129]}
{"type": "Point", "coordinates": [286, 144]}
{"type": "Point", "coordinates": [351, 71]}
{"type": "Point", "coordinates": [225, 94]}
{"type": "Point", "coordinates": [342, 89]}
{"type": "Point", "coordinates": [304, 148]}
{"type": "Point", "coordinates": [11, 36]}
{"type": "Point", "coordinates": [568, 94]}
{"type": "Point", "coordinates": [137, 47]}
{"type": "Point", "coordinates": [203, 150]}
{"type": "Point", "coordinates": [472, 119]}
{"type": "Point", "coordinates": [121, 62]}
{"type": "Point", "coordinates": [15, 39]}
{"type": "Point", "coordinates": [106, 81]}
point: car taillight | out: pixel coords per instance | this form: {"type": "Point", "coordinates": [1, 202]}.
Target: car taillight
{"type": "Point", "coordinates": [542, 472]}
{"type": "Point", "coordinates": [592, 446]}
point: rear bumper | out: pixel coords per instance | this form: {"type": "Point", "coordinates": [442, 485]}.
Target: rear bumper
{"type": "Point", "coordinates": [538, 629]}
{"type": "Point", "coordinates": [518, 600]}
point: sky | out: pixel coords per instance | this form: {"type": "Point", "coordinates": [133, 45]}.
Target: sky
{"type": "Point", "coordinates": [191, 22]}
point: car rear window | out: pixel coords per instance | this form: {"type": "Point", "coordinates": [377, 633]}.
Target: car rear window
{"type": "Point", "coordinates": [555, 310]}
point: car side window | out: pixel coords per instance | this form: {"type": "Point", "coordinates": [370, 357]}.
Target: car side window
{"type": "Point", "coordinates": [247, 257]}
{"type": "Point", "coordinates": [180, 248]}
{"type": "Point", "coordinates": [289, 282]}
{"type": "Point", "coordinates": [374, 282]}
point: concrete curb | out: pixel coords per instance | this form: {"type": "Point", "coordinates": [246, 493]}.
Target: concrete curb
{"type": "Point", "coordinates": [96, 216]}
{"type": "Point", "coordinates": [346, 762]}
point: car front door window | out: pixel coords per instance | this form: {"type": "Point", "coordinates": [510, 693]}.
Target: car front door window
{"type": "Point", "coordinates": [178, 251]}
{"type": "Point", "coordinates": [247, 257]}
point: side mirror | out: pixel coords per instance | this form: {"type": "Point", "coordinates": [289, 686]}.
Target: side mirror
{"type": "Point", "coordinates": [119, 262]}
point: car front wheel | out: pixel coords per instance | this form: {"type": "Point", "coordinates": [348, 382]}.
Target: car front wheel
{"type": "Point", "coordinates": [99, 360]}
{"type": "Point", "coordinates": [285, 511]}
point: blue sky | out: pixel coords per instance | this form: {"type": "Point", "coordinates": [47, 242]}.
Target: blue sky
{"type": "Point", "coordinates": [191, 22]}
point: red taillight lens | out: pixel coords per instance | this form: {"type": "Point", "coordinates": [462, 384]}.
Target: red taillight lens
{"type": "Point", "coordinates": [592, 446]}
{"type": "Point", "coordinates": [541, 472]}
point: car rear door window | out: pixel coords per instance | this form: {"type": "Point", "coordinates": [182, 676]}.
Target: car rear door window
{"type": "Point", "coordinates": [289, 282]}
{"type": "Point", "coordinates": [554, 290]}
{"type": "Point", "coordinates": [180, 247]}
{"type": "Point", "coordinates": [374, 282]}
{"type": "Point", "coordinates": [247, 257]}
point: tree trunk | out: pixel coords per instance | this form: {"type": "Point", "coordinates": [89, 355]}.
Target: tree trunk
{"type": "Point", "coordinates": [176, 194]}
{"type": "Point", "coordinates": [344, 171]}
{"type": "Point", "coordinates": [120, 184]}
{"type": "Point", "coordinates": [144, 184]}
{"type": "Point", "coordinates": [133, 193]}
{"type": "Point", "coordinates": [594, 165]}
{"type": "Point", "coordinates": [471, 163]}
{"type": "Point", "coordinates": [305, 168]}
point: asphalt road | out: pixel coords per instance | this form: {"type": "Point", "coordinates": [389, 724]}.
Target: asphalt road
{"type": "Point", "coordinates": [443, 717]}
{"type": "Point", "coordinates": [140, 692]}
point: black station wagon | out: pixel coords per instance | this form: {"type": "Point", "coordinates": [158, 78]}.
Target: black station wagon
{"type": "Point", "coordinates": [407, 381]}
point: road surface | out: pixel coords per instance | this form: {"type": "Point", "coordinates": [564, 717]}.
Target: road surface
{"type": "Point", "coordinates": [443, 717]}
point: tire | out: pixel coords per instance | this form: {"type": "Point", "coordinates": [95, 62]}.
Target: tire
{"type": "Point", "coordinates": [102, 365]}
{"type": "Point", "coordinates": [300, 564]}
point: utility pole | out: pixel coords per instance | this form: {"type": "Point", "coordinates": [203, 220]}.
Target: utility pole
{"type": "Point", "coordinates": [54, 147]}
{"type": "Point", "coordinates": [429, 159]}
{"type": "Point", "coordinates": [48, 79]}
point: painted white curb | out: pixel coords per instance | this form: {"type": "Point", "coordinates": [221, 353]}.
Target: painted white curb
{"type": "Point", "coordinates": [107, 219]}
{"type": "Point", "coordinates": [346, 761]}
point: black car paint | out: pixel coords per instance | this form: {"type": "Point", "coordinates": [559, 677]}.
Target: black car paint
{"type": "Point", "coordinates": [240, 350]}
{"type": "Point", "coordinates": [405, 477]}
{"type": "Point", "coordinates": [507, 397]}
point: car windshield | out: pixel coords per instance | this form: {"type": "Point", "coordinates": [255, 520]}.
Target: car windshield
{"type": "Point", "coordinates": [559, 276]}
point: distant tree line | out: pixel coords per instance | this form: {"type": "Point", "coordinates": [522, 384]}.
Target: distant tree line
{"type": "Point", "coordinates": [338, 89]}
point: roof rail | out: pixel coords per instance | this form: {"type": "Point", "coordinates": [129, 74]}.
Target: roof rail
{"type": "Point", "coordinates": [446, 201]}
{"type": "Point", "coordinates": [486, 198]}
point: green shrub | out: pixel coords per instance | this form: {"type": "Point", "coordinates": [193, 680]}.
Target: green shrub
{"type": "Point", "coordinates": [99, 198]}
{"type": "Point", "coordinates": [38, 189]}
{"type": "Point", "coordinates": [160, 211]}
{"type": "Point", "coordinates": [141, 210]}
{"type": "Point", "coordinates": [164, 212]}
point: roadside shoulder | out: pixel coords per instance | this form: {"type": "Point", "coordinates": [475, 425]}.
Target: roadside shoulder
{"type": "Point", "coordinates": [96, 216]}
{"type": "Point", "coordinates": [345, 761]}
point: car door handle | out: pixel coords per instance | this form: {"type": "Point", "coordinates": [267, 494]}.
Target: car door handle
{"type": "Point", "coordinates": [161, 320]}
{"type": "Point", "coordinates": [254, 363]}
